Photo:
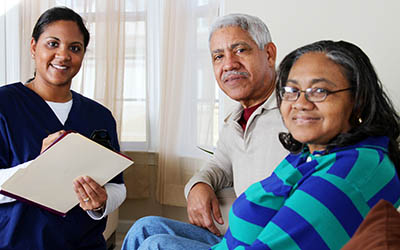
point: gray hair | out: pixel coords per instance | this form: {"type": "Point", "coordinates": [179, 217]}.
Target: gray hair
{"type": "Point", "coordinates": [257, 29]}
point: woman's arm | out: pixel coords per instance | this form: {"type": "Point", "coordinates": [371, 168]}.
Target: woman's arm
{"type": "Point", "coordinates": [116, 195]}
{"type": "Point", "coordinates": [322, 213]}
{"type": "Point", "coordinates": [7, 173]}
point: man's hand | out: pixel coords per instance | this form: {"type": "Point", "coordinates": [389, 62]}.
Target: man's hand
{"type": "Point", "coordinates": [203, 206]}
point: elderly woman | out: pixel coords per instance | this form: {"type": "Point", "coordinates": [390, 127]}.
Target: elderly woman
{"type": "Point", "coordinates": [345, 158]}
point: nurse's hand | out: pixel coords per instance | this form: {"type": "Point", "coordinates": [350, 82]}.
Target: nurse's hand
{"type": "Point", "coordinates": [50, 139]}
{"type": "Point", "coordinates": [90, 194]}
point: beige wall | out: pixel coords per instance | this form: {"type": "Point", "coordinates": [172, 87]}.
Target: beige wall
{"type": "Point", "coordinates": [371, 24]}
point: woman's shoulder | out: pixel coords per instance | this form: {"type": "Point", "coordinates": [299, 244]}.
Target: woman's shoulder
{"type": "Point", "coordinates": [364, 157]}
{"type": "Point", "coordinates": [86, 104]}
{"type": "Point", "coordinates": [10, 89]}
{"type": "Point", "coordinates": [11, 93]}
{"type": "Point", "coordinates": [365, 163]}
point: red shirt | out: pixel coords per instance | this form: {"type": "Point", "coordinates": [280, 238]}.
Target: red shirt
{"type": "Point", "coordinates": [246, 115]}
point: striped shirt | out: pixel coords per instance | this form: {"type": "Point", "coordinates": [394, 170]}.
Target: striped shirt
{"type": "Point", "coordinates": [313, 201]}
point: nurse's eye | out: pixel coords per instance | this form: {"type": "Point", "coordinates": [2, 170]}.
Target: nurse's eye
{"type": "Point", "coordinates": [52, 44]}
{"type": "Point", "coordinates": [75, 48]}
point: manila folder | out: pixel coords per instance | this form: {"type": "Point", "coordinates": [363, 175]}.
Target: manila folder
{"type": "Point", "coordinates": [47, 180]}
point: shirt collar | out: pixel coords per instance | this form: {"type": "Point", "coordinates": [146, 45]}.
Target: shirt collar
{"type": "Point", "coordinates": [374, 142]}
{"type": "Point", "coordinates": [269, 104]}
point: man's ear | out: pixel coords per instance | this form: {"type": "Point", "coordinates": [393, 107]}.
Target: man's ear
{"type": "Point", "coordinates": [33, 47]}
{"type": "Point", "coordinates": [270, 50]}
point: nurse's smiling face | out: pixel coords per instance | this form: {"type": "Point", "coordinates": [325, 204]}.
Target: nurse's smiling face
{"type": "Point", "coordinates": [316, 123]}
{"type": "Point", "coordinates": [58, 53]}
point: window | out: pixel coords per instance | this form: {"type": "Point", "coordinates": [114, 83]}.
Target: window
{"type": "Point", "coordinates": [134, 132]}
{"type": "Point", "coordinates": [203, 33]}
{"type": "Point", "coordinates": [134, 110]}
{"type": "Point", "coordinates": [203, 94]}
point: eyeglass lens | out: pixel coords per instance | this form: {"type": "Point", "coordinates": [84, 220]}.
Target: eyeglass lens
{"type": "Point", "coordinates": [311, 94]}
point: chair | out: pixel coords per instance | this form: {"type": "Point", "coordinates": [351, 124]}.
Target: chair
{"type": "Point", "coordinates": [111, 228]}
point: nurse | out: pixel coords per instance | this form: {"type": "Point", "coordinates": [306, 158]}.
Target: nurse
{"type": "Point", "coordinates": [32, 115]}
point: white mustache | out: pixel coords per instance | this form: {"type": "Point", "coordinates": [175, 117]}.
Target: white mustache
{"type": "Point", "coordinates": [234, 72]}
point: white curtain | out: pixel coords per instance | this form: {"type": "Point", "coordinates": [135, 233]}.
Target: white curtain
{"type": "Point", "coordinates": [9, 48]}
{"type": "Point", "coordinates": [187, 98]}
{"type": "Point", "coordinates": [29, 13]}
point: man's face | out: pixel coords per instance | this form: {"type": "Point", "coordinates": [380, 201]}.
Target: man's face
{"type": "Point", "coordinates": [243, 71]}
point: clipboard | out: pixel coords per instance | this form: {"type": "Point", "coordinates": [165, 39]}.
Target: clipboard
{"type": "Point", "coordinates": [48, 180]}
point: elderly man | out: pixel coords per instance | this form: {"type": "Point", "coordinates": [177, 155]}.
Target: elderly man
{"type": "Point", "coordinates": [248, 150]}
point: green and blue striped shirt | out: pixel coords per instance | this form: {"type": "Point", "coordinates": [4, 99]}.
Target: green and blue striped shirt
{"type": "Point", "coordinates": [313, 201]}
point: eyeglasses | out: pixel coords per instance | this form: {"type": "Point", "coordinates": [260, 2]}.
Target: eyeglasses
{"type": "Point", "coordinates": [312, 94]}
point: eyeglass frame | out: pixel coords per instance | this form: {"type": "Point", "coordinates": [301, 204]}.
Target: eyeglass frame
{"type": "Point", "coordinates": [308, 91]}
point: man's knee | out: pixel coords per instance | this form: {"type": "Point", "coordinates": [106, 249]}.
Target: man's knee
{"type": "Point", "coordinates": [140, 231]}
{"type": "Point", "coordinates": [147, 221]}
{"type": "Point", "coordinates": [144, 226]}
{"type": "Point", "coordinates": [158, 242]}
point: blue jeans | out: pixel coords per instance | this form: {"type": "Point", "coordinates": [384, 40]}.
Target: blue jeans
{"type": "Point", "coordinates": [158, 233]}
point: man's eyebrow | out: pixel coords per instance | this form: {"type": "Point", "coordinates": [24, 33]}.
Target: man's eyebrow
{"type": "Point", "coordinates": [239, 44]}
{"type": "Point", "coordinates": [232, 46]}
{"type": "Point", "coordinates": [217, 51]}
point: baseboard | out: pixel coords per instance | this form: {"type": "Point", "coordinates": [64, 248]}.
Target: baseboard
{"type": "Point", "coordinates": [124, 225]}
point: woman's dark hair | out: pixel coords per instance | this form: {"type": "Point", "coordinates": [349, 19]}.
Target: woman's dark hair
{"type": "Point", "coordinates": [373, 113]}
{"type": "Point", "coordinates": [57, 14]}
